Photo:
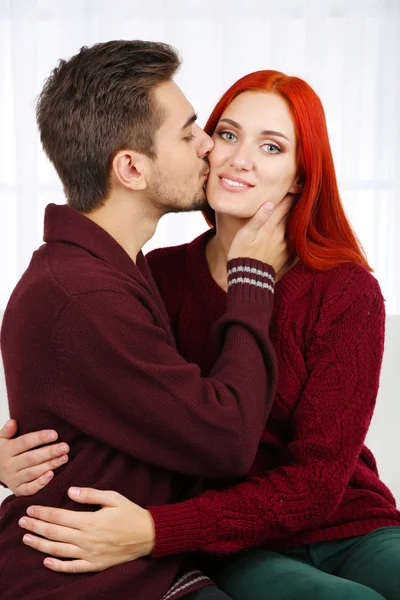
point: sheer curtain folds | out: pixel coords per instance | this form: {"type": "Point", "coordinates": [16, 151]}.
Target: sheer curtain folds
{"type": "Point", "coordinates": [348, 50]}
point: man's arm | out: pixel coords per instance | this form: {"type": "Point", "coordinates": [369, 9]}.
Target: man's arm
{"type": "Point", "coordinates": [213, 397]}
{"type": "Point", "coordinates": [123, 383]}
{"type": "Point", "coordinates": [134, 391]}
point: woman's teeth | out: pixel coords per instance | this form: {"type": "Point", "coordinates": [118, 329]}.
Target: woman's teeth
{"type": "Point", "coordinates": [235, 183]}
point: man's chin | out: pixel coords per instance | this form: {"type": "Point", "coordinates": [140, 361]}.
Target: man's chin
{"type": "Point", "coordinates": [196, 204]}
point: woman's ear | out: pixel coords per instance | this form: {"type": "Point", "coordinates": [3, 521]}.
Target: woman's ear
{"type": "Point", "coordinates": [296, 187]}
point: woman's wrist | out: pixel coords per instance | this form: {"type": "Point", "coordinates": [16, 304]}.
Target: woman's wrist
{"type": "Point", "coordinates": [177, 528]}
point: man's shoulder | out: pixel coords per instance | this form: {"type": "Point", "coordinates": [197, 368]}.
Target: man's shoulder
{"type": "Point", "coordinates": [79, 272]}
{"type": "Point", "coordinates": [57, 275]}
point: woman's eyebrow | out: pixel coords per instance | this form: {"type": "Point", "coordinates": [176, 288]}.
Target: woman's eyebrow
{"type": "Point", "coordinates": [262, 133]}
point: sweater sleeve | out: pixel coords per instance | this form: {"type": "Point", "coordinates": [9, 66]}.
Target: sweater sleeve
{"type": "Point", "coordinates": [123, 383]}
{"type": "Point", "coordinates": [328, 429]}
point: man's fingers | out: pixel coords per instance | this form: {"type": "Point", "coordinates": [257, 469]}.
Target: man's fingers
{"type": "Point", "coordinates": [260, 218]}
{"type": "Point", "coordinates": [9, 429]}
{"type": "Point", "coordinates": [69, 566]}
{"type": "Point", "coordinates": [32, 440]}
{"type": "Point", "coordinates": [280, 212]}
{"type": "Point", "coordinates": [92, 496]}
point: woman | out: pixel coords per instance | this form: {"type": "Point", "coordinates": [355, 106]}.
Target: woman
{"type": "Point", "coordinates": [312, 519]}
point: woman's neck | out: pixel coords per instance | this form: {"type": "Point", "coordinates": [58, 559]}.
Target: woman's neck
{"type": "Point", "coordinates": [218, 247]}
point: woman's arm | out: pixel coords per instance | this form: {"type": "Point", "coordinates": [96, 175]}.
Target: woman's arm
{"type": "Point", "coordinates": [328, 431]}
{"type": "Point", "coordinates": [329, 428]}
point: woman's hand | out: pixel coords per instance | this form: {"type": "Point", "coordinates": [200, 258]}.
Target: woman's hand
{"type": "Point", "coordinates": [25, 470]}
{"type": "Point", "coordinates": [119, 532]}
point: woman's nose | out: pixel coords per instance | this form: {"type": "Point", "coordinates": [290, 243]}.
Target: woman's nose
{"type": "Point", "coordinates": [241, 160]}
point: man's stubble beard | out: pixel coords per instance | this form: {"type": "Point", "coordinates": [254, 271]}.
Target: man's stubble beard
{"type": "Point", "coordinates": [172, 198]}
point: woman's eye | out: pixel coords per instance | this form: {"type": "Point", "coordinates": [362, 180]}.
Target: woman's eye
{"type": "Point", "coordinates": [271, 148]}
{"type": "Point", "coordinates": [189, 138]}
{"type": "Point", "coordinates": [228, 136]}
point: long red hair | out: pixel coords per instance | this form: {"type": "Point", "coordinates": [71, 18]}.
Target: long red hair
{"type": "Point", "coordinates": [318, 229]}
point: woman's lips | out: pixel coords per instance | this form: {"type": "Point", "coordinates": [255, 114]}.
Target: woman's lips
{"type": "Point", "coordinates": [234, 184]}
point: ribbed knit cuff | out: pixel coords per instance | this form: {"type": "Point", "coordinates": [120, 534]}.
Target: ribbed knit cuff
{"type": "Point", "coordinates": [177, 528]}
{"type": "Point", "coordinates": [249, 279]}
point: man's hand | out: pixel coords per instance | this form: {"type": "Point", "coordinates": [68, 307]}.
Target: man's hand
{"type": "Point", "coordinates": [119, 532]}
{"type": "Point", "coordinates": [24, 470]}
{"type": "Point", "coordinates": [263, 237]}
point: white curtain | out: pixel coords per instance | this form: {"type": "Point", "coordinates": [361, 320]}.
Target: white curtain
{"type": "Point", "coordinates": [348, 50]}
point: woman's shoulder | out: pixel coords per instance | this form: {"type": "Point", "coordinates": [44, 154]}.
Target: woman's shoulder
{"type": "Point", "coordinates": [166, 258]}
{"type": "Point", "coordinates": [351, 280]}
{"type": "Point", "coordinates": [345, 286]}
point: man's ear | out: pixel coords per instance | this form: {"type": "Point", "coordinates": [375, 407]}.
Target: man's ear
{"type": "Point", "coordinates": [129, 169]}
{"type": "Point", "coordinates": [296, 187]}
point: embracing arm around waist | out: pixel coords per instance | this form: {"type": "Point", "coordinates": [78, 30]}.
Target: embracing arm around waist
{"type": "Point", "coordinates": [328, 429]}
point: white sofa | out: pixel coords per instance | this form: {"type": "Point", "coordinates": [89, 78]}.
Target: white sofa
{"type": "Point", "coordinates": [382, 437]}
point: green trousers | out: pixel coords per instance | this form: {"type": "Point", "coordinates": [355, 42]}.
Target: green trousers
{"type": "Point", "coordinates": [365, 567]}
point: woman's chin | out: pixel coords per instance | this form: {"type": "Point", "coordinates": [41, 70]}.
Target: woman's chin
{"type": "Point", "coordinates": [230, 212]}
{"type": "Point", "coordinates": [230, 207]}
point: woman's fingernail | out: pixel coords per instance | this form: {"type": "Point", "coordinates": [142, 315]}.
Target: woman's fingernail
{"type": "Point", "coordinates": [63, 448]}
{"type": "Point", "coordinates": [48, 562]}
{"type": "Point", "coordinates": [51, 436]}
{"type": "Point", "coordinates": [62, 459]}
{"type": "Point", "coordinates": [27, 539]}
{"type": "Point", "coordinates": [74, 491]}
{"type": "Point", "coordinates": [22, 522]}
{"type": "Point", "coordinates": [30, 511]}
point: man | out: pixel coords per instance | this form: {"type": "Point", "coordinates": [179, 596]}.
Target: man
{"type": "Point", "coordinates": [86, 342]}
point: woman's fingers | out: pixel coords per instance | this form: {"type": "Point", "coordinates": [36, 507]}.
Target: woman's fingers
{"type": "Point", "coordinates": [56, 533]}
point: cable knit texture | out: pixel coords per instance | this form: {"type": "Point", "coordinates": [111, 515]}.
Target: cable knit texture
{"type": "Point", "coordinates": [313, 478]}
{"type": "Point", "coordinates": [88, 351]}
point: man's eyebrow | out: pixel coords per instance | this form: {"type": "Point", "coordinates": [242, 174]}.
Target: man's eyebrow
{"type": "Point", "coordinates": [190, 120]}
{"type": "Point", "coordinates": [263, 133]}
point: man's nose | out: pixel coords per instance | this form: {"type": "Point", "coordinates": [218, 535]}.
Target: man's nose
{"type": "Point", "coordinates": [206, 144]}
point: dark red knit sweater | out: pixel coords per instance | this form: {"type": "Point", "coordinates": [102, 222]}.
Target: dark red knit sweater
{"type": "Point", "coordinates": [88, 351]}
{"type": "Point", "coordinates": [313, 478]}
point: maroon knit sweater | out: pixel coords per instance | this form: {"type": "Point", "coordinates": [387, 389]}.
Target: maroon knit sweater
{"type": "Point", "coordinates": [313, 478]}
{"type": "Point", "coordinates": [88, 351]}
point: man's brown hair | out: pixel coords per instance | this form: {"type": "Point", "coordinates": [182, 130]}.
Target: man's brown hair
{"type": "Point", "coordinates": [98, 103]}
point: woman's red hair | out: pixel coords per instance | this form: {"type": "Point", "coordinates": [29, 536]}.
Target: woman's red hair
{"type": "Point", "coordinates": [318, 228]}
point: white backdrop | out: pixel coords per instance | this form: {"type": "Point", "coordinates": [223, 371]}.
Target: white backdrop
{"type": "Point", "coordinates": [348, 50]}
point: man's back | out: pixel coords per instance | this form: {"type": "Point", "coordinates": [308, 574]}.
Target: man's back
{"type": "Point", "coordinates": [88, 351]}
{"type": "Point", "coordinates": [36, 346]}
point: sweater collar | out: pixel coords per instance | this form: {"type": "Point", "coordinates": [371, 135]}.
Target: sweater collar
{"type": "Point", "coordinates": [64, 224]}
{"type": "Point", "coordinates": [214, 297]}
